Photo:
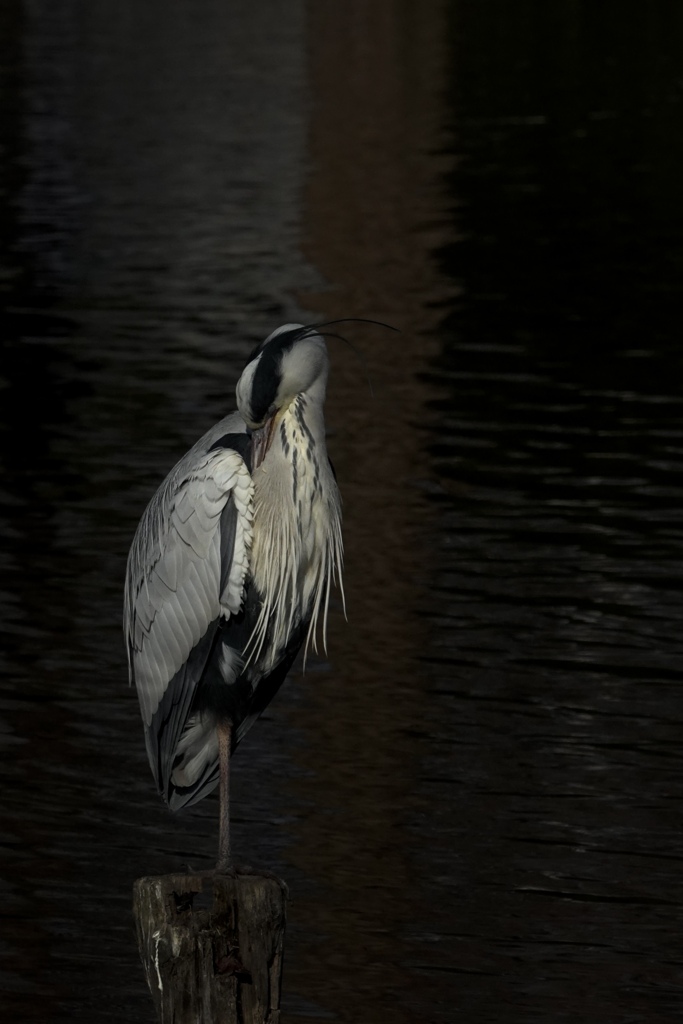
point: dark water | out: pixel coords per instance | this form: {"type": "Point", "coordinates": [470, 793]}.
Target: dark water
{"type": "Point", "coordinates": [476, 799]}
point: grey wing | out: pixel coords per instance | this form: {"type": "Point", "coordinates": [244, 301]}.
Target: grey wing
{"type": "Point", "coordinates": [186, 572]}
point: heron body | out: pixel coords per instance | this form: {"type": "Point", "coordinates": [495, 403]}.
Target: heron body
{"type": "Point", "coordinates": [230, 570]}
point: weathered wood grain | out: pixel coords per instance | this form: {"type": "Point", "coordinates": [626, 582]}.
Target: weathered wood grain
{"type": "Point", "coordinates": [212, 945]}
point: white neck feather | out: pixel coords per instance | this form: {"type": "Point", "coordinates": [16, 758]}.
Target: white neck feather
{"type": "Point", "coordinates": [297, 548]}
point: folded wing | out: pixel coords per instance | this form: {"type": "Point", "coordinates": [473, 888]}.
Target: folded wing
{"type": "Point", "coordinates": [186, 575]}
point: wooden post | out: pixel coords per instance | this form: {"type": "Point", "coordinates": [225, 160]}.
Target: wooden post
{"type": "Point", "coordinates": [212, 946]}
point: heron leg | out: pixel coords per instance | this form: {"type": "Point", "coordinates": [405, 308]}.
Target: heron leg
{"type": "Point", "coordinates": [224, 738]}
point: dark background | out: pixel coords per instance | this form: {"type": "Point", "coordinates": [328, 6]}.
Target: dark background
{"type": "Point", "coordinates": [475, 798]}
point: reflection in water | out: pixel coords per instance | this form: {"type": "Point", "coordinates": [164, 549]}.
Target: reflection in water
{"type": "Point", "coordinates": [475, 799]}
{"type": "Point", "coordinates": [377, 73]}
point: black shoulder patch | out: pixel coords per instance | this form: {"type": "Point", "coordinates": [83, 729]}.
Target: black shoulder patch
{"type": "Point", "coordinates": [240, 443]}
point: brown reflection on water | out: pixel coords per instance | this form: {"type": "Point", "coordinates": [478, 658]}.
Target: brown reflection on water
{"type": "Point", "coordinates": [374, 192]}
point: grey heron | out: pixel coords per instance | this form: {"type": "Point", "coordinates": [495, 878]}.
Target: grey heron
{"type": "Point", "coordinates": [230, 571]}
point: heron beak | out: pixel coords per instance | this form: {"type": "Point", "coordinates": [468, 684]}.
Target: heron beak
{"type": "Point", "coordinates": [261, 441]}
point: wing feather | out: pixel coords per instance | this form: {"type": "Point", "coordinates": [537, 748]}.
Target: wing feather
{"type": "Point", "coordinates": [169, 720]}
{"type": "Point", "coordinates": [186, 570]}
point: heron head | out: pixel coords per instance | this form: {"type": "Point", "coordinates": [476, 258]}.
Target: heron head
{"type": "Point", "coordinates": [292, 360]}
